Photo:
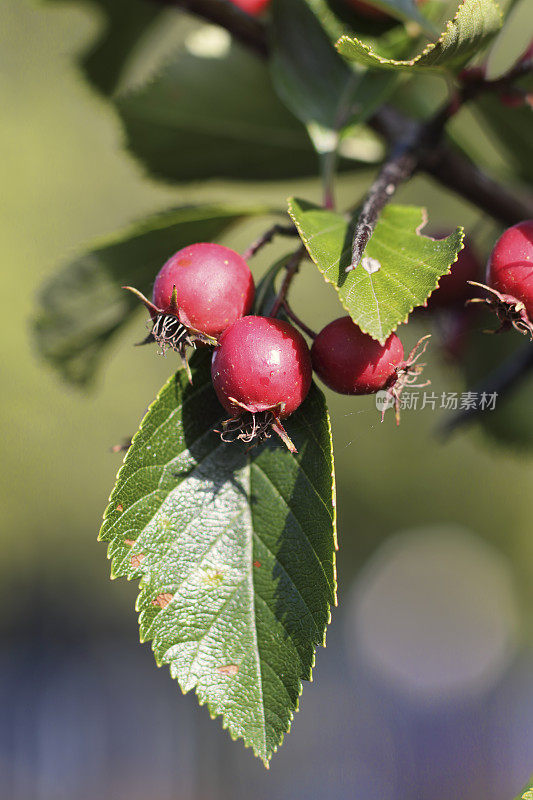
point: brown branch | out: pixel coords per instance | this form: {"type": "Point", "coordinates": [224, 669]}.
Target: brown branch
{"type": "Point", "coordinates": [245, 29]}
{"type": "Point", "coordinates": [455, 172]}
{"type": "Point", "coordinates": [504, 379]}
{"type": "Point", "coordinates": [266, 237]}
{"type": "Point", "coordinates": [397, 169]}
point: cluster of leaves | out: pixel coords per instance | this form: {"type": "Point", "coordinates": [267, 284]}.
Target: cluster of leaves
{"type": "Point", "coordinates": [234, 550]}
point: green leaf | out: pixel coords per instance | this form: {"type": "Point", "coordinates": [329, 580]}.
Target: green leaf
{"type": "Point", "coordinates": [126, 21]}
{"type": "Point", "coordinates": [265, 293]}
{"type": "Point", "coordinates": [235, 553]}
{"type": "Point", "coordinates": [403, 269]}
{"type": "Point", "coordinates": [511, 131]}
{"type": "Point", "coordinates": [215, 115]}
{"type": "Point", "coordinates": [312, 79]}
{"type": "Point", "coordinates": [527, 793]}
{"type": "Point", "coordinates": [474, 25]}
{"type": "Point", "coordinates": [83, 305]}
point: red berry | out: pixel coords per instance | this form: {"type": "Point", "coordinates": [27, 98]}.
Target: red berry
{"type": "Point", "coordinates": [351, 362]}
{"type": "Point", "coordinates": [453, 289]}
{"type": "Point", "coordinates": [261, 373]}
{"type": "Point", "coordinates": [253, 7]}
{"type": "Point", "coordinates": [510, 267]}
{"type": "Point", "coordinates": [213, 287]}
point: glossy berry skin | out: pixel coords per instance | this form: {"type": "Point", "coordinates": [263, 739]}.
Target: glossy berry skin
{"type": "Point", "coordinates": [261, 363]}
{"type": "Point", "coordinates": [351, 362]}
{"type": "Point", "coordinates": [510, 266]}
{"type": "Point", "coordinates": [253, 7]}
{"type": "Point", "coordinates": [453, 290]}
{"type": "Point", "coordinates": [214, 287]}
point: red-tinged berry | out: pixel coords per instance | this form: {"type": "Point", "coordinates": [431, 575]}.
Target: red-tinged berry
{"type": "Point", "coordinates": [351, 362]}
{"type": "Point", "coordinates": [213, 284]}
{"type": "Point", "coordinates": [199, 292]}
{"type": "Point", "coordinates": [453, 328]}
{"type": "Point", "coordinates": [510, 279]}
{"type": "Point", "coordinates": [453, 289]}
{"type": "Point", "coordinates": [253, 7]}
{"type": "Point", "coordinates": [261, 373]}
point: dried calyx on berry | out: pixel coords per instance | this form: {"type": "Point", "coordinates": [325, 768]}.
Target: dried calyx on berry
{"type": "Point", "coordinates": [510, 280]}
{"type": "Point", "coordinates": [168, 331]}
{"type": "Point", "coordinates": [261, 373]}
{"type": "Point", "coordinates": [198, 293]}
{"type": "Point", "coordinates": [352, 362]}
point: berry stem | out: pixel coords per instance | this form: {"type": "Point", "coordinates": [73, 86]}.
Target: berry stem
{"type": "Point", "coordinates": [292, 266]}
{"type": "Point", "coordinates": [297, 321]}
{"type": "Point", "coordinates": [275, 230]}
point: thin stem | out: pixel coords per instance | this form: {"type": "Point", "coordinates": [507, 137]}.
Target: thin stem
{"type": "Point", "coordinates": [292, 267]}
{"type": "Point", "coordinates": [266, 237]}
{"type": "Point", "coordinates": [297, 321]}
{"type": "Point", "coordinates": [329, 164]}
{"type": "Point", "coordinates": [504, 379]}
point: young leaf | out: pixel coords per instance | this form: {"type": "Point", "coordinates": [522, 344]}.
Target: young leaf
{"type": "Point", "coordinates": [265, 291]}
{"type": "Point", "coordinates": [312, 79]}
{"type": "Point", "coordinates": [215, 115]}
{"type": "Point", "coordinates": [83, 305]}
{"type": "Point", "coordinates": [126, 21]}
{"type": "Point", "coordinates": [474, 25]}
{"type": "Point", "coordinates": [399, 269]}
{"type": "Point", "coordinates": [235, 553]}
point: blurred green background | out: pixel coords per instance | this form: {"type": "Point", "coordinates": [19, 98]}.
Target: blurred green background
{"type": "Point", "coordinates": [65, 179]}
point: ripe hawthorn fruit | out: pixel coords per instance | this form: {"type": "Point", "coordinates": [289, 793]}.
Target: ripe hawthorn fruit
{"type": "Point", "coordinates": [453, 289]}
{"type": "Point", "coordinates": [352, 362]}
{"type": "Point", "coordinates": [510, 279]}
{"type": "Point", "coordinates": [261, 373]}
{"type": "Point", "coordinates": [198, 293]}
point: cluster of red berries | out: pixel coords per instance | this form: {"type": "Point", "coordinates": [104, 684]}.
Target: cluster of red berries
{"type": "Point", "coordinates": [262, 367]}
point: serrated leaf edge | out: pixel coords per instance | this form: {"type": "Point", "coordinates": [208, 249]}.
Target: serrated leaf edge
{"type": "Point", "coordinates": [413, 62]}
{"type": "Point", "coordinates": [384, 338]}
{"type": "Point", "coordinates": [264, 756]}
